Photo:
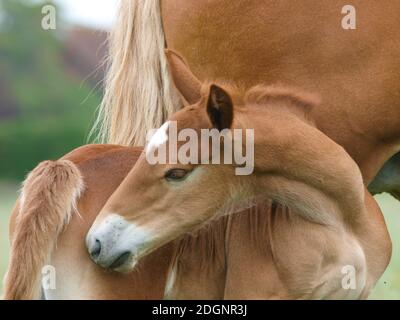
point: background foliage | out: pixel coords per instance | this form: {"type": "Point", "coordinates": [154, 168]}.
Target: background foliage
{"type": "Point", "coordinates": [47, 109]}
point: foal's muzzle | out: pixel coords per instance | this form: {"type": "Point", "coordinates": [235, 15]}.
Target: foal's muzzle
{"type": "Point", "coordinates": [109, 262]}
{"type": "Point", "coordinates": [116, 244]}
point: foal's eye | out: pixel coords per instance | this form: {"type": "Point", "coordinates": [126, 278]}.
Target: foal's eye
{"type": "Point", "coordinates": [176, 174]}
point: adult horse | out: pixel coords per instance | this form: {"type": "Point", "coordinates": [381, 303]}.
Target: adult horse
{"type": "Point", "coordinates": [302, 44]}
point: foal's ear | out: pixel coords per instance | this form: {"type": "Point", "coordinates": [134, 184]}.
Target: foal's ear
{"type": "Point", "coordinates": [185, 81]}
{"type": "Point", "coordinates": [220, 108]}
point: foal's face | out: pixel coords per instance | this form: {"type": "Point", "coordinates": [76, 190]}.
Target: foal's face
{"type": "Point", "coordinates": [157, 203]}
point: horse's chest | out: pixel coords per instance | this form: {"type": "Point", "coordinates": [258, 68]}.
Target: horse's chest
{"type": "Point", "coordinates": [317, 262]}
{"type": "Point", "coordinates": [278, 256]}
{"type": "Point", "coordinates": [294, 259]}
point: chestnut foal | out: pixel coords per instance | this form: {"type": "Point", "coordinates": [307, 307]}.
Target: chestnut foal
{"type": "Point", "coordinates": [332, 223]}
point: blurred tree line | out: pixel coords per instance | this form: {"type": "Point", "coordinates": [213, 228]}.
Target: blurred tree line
{"type": "Point", "coordinates": [45, 110]}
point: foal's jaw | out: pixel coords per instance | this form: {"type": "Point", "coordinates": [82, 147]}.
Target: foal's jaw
{"type": "Point", "coordinates": [117, 244]}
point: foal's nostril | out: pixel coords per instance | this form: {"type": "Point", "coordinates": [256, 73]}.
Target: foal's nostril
{"type": "Point", "coordinates": [96, 249]}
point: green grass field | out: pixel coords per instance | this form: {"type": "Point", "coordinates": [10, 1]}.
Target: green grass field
{"type": "Point", "coordinates": [388, 286]}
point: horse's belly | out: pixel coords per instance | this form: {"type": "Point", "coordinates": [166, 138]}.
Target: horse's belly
{"type": "Point", "coordinates": [299, 42]}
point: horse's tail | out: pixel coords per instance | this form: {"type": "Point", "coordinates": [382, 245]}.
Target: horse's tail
{"type": "Point", "coordinates": [138, 91]}
{"type": "Point", "coordinates": [48, 198]}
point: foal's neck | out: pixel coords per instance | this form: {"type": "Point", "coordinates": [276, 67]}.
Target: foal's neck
{"type": "Point", "coordinates": [300, 167]}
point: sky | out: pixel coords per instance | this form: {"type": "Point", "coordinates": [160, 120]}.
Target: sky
{"type": "Point", "coordinates": [91, 13]}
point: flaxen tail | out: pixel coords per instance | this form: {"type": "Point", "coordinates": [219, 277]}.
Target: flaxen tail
{"type": "Point", "coordinates": [49, 196]}
{"type": "Point", "coordinates": [139, 94]}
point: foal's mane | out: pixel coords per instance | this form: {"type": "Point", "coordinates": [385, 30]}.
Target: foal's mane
{"type": "Point", "coordinates": [297, 100]}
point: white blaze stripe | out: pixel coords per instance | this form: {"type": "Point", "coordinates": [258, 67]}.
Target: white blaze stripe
{"type": "Point", "coordinates": [159, 138]}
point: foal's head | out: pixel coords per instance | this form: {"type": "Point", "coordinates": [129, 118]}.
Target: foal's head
{"type": "Point", "coordinates": [180, 183]}
{"type": "Point", "coordinates": [163, 198]}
